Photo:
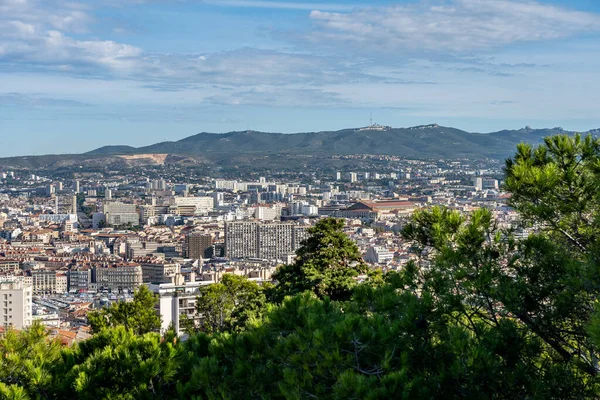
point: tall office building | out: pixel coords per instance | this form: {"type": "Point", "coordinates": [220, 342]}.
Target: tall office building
{"type": "Point", "coordinates": [353, 177]}
{"type": "Point", "coordinates": [108, 194]}
{"type": "Point", "coordinates": [15, 304]}
{"type": "Point", "coordinates": [198, 245]}
{"type": "Point", "coordinates": [338, 176]}
{"type": "Point", "coordinates": [77, 188]}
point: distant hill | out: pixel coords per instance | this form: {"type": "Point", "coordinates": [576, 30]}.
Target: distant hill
{"type": "Point", "coordinates": [425, 142]}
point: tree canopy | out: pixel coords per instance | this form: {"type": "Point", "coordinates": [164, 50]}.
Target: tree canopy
{"type": "Point", "coordinates": [327, 264]}
{"type": "Point", "coordinates": [139, 315]}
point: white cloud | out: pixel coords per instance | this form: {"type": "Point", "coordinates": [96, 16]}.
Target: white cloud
{"type": "Point", "coordinates": [39, 35]}
{"type": "Point", "coordinates": [459, 25]}
{"type": "Point", "coordinates": [280, 5]}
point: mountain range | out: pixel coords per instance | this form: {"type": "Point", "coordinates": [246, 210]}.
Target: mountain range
{"type": "Point", "coordinates": [425, 141]}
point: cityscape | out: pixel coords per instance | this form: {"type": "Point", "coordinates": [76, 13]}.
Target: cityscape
{"type": "Point", "coordinates": [299, 200]}
{"type": "Point", "coordinates": [73, 245]}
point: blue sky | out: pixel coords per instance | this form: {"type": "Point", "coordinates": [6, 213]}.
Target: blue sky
{"type": "Point", "coordinates": [76, 75]}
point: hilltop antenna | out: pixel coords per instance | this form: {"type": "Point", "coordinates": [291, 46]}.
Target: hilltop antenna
{"type": "Point", "coordinates": [371, 115]}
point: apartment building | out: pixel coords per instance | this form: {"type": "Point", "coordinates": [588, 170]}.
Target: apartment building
{"type": "Point", "coordinates": [159, 272]}
{"type": "Point", "coordinates": [176, 300]}
{"type": "Point", "coordinates": [269, 241]}
{"type": "Point", "coordinates": [198, 245]}
{"type": "Point", "coordinates": [79, 279]}
{"type": "Point", "coordinates": [15, 304]}
{"type": "Point", "coordinates": [118, 277]}
{"type": "Point", "coordinates": [48, 282]}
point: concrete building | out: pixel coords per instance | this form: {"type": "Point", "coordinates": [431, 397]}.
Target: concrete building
{"type": "Point", "coordinates": [199, 205]}
{"type": "Point", "coordinates": [269, 241]}
{"type": "Point", "coordinates": [159, 272]}
{"type": "Point", "coordinates": [48, 282]}
{"type": "Point", "coordinates": [9, 266]}
{"type": "Point", "coordinates": [177, 299]}
{"type": "Point", "coordinates": [118, 278]}
{"type": "Point", "coordinates": [378, 255]}
{"type": "Point", "coordinates": [79, 279]}
{"type": "Point", "coordinates": [198, 246]}
{"type": "Point", "coordinates": [353, 177]}
{"type": "Point", "coordinates": [490, 183]}
{"type": "Point", "coordinates": [267, 213]}
{"type": "Point", "coordinates": [15, 304]}
{"type": "Point", "coordinates": [117, 213]}
{"type": "Point", "coordinates": [50, 190]}
{"type": "Point", "coordinates": [241, 239]}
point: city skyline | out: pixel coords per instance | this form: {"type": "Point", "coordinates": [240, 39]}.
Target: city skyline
{"type": "Point", "coordinates": [78, 75]}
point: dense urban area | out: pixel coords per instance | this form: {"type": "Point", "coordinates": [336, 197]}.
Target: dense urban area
{"type": "Point", "coordinates": [72, 245]}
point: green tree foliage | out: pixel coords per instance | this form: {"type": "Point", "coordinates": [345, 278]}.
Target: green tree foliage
{"type": "Point", "coordinates": [555, 186]}
{"type": "Point", "coordinates": [139, 315]}
{"type": "Point", "coordinates": [26, 363]}
{"type": "Point", "coordinates": [526, 294]}
{"type": "Point", "coordinates": [230, 305]}
{"type": "Point", "coordinates": [116, 363]}
{"type": "Point", "coordinates": [327, 264]}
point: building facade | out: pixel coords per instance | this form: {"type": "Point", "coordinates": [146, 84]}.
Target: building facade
{"type": "Point", "coordinates": [268, 241]}
{"type": "Point", "coordinates": [118, 278]}
{"type": "Point", "coordinates": [198, 246]}
{"type": "Point", "coordinates": [15, 304]}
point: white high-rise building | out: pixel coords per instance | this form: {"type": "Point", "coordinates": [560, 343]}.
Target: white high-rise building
{"type": "Point", "coordinates": [269, 241]}
{"type": "Point", "coordinates": [338, 176]}
{"type": "Point", "coordinates": [353, 177]}
{"type": "Point", "coordinates": [15, 304]}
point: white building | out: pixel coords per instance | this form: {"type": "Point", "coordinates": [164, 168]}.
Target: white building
{"type": "Point", "coordinates": [202, 204]}
{"type": "Point", "coordinates": [176, 300]}
{"type": "Point", "coordinates": [49, 282]}
{"type": "Point", "coordinates": [58, 218]}
{"type": "Point", "coordinates": [15, 304]}
{"type": "Point", "coordinates": [378, 255]}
